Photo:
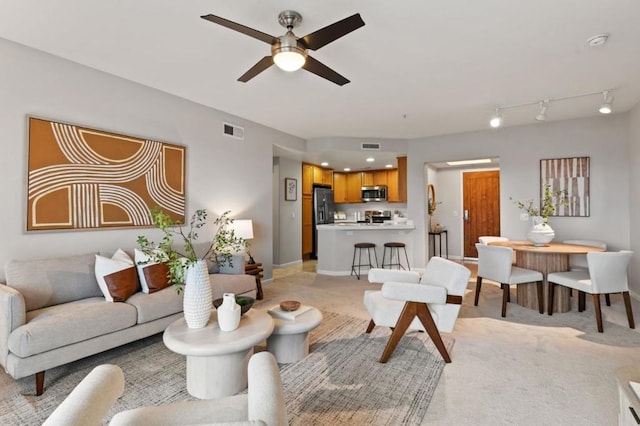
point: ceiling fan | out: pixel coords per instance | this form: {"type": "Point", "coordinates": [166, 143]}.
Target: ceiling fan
{"type": "Point", "coordinates": [289, 52]}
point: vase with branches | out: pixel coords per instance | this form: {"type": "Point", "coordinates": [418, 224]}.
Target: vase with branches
{"type": "Point", "coordinates": [550, 200]}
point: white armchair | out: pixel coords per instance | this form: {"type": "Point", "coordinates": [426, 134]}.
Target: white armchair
{"type": "Point", "coordinates": [430, 303]}
{"type": "Point", "coordinates": [263, 404]}
{"type": "Point", "coordinates": [607, 274]}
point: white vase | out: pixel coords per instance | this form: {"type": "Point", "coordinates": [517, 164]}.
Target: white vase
{"type": "Point", "coordinates": [197, 302]}
{"type": "Point", "coordinates": [228, 313]}
{"type": "Point", "coordinates": [540, 233]}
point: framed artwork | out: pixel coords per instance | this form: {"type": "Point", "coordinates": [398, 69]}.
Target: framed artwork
{"type": "Point", "coordinates": [570, 175]}
{"type": "Point", "coordinates": [82, 178]}
{"type": "Point", "coordinates": [290, 189]}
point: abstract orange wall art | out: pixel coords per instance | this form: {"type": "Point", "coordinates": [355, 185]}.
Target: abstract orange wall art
{"type": "Point", "coordinates": [80, 178]}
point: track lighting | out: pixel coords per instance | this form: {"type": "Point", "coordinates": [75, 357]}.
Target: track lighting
{"type": "Point", "coordinates": [542, 113]}
{"type": "Point", "coordinates": [605, 108]}
{"type": "Point", "coordinates": [496, 119]}
{"type": "Point", "coordinates": [543, 107]}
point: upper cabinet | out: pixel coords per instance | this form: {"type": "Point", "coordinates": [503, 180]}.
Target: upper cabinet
{"type": "Point", "coordinates": [312, 174]}
{"type": "Point", "coordinates": [347, 187]}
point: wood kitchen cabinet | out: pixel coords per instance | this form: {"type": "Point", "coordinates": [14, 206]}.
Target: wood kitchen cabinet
{"type": "Point", "coordinates": [354, 187]}
{"type": "Point", "coordinates": [307, 179]}
{"type": "Point", "coordinates": [307, 225]}
{"type": "Point", "coordinates": [339, 187]}
{"type": "Point", "coordinates": [393, 196]}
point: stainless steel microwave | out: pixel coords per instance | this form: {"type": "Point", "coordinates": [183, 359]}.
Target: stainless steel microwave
{"type": "Point", "coordinates": [374, 193]}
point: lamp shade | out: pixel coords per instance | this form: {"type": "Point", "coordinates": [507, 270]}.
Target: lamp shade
{"type": "Point", "coordinates": [242, 228]}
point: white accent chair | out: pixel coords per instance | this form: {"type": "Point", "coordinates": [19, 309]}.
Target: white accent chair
{"type": "Point", "coordinates": [607, 274]}
{"type": "Point", "coordinates": [435, 299]}
{"type": "Point", "coordinates": [578, 262]}
{"type": "Point", "coordinates": [494, 263]}
{"type": "Point", "coordinates": [489, 239]}
{"type": "Point", "coordinates": [263, 404]}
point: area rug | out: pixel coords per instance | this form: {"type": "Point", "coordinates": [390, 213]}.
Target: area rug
{"type": "Point", "coordinates": [340, 382]}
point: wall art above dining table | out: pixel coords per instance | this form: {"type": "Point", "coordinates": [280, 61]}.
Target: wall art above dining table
{"type": "Point", "coordinates": [571, 177]}
{"type": "Point", "coordinates": [82, 178]}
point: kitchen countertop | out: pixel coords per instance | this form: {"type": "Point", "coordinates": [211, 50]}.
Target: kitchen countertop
{"type": "Point", "coordinates": [353, 226]}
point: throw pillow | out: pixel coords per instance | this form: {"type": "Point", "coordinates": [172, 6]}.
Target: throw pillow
{"type": "Point", "coordinates": [153, 276]}
{"type": "Point", "coordinates": [107, 266]}
{"type": "Point", "coordinates": [123, 284]}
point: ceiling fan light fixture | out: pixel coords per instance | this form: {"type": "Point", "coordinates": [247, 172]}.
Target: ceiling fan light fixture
{"type": "Point", "coordinates": [287, 54]}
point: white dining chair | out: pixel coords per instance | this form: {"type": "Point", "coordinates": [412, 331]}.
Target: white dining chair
{"type": "Point", "coordinates": [607, 274]}
{"type": "Point", "coordinates": [486, 239]}
{"type": "Point", "coordinates": [578, 262]}
{"type": "Point", "coordinates": [494, 263]}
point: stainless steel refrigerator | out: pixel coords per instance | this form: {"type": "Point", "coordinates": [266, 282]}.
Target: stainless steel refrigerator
{"type": "Point", "coordinates": [323, 211]}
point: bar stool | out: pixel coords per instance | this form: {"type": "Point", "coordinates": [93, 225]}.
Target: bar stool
{"type": "Point", "coordinates": [359, 247]}
{"type": "Point", "coordinates": [394, 246]}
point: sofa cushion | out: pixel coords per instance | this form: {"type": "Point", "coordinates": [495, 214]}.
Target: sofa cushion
{"type": "Point", "coordinates": [156, 305]}
{"type": "Point", "coordinates": [153, 275]}
{"type": "Point", "coordinates": [47, 282]}
{"type": "Point", "coordinates": [64, 324]}
{"type": "Point", "coordinates": [122, 285]}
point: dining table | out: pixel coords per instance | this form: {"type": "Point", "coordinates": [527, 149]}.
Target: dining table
{"type": "Point", "coordinates": [551, 257]}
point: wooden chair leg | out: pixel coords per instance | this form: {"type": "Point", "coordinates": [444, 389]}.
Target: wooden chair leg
{"type": "Point", "coordinates": [551, 291]}
{"type": "Point", "coordinates": [540, 297]}
{"type": "Point", "coordinates": [505, 296]}
{"type": "Point", "coordinates": [39, 383]}
{"type": "Point", "coordinates": [370, 327]}
{"type": "Point", "coordinates": [627, 306]}
{"type": "Point", "coordinates": [509, 295]}
{"type": "Point", "coordinates": [607, 299]}
{"type": "Point", "coordinates": [407, 315]}
{"type": "Point", "coordinates": [478, 286]}
{"type": "Point", "coordinates": [596, 306]}
{"type": "Point", "coordinates": [429, 324]}
{"type": "Point", "coordinates": [581, 300]}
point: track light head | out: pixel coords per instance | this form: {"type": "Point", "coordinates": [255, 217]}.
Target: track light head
{"type": "Point", "coordinates": [605, 107]}
{"type": "Point", "coordinates": [496, 119]}
{"type": "Point", "coordinates": [542, 113]}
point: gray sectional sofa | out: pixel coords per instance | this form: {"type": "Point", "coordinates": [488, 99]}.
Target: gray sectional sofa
{"type": "Point", "coordinates": [52, 312]}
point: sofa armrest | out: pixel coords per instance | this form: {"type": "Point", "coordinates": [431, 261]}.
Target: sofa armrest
{"type": "Point", "coordinates": [91, 400]}
{"type": "Point", "coordinates": [266, 393]}
{"type": "Point", "coordinates": [410, 292]}
{"type": "Point", "coordinates": [13, 314]}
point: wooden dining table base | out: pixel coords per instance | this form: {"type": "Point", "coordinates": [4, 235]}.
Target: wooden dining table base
{"type": "Point", "coordinates": [544, 262]}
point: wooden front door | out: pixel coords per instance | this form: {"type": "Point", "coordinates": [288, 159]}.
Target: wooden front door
{"type": "Point", "coordinates": [481, 207]}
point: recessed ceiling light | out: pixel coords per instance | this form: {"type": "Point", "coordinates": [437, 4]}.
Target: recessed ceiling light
{"type": "Point", "coordinates": [464, 162]}
{"type": "Point", "coordinates": [389, 166]}
{"type": "Point", "coordinates": [598, 40]}
{"type": "Point", "coordinates": [370, 160]}
{"type": "Point", "coordinates": [324, 164]}
{"type": "Point", "coordinates": [346, 169]}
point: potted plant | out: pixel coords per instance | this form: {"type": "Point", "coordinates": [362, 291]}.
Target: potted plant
{"type": "Point", "coordinates": [185, 269]}
{"type": "Point", "coordinates": [541, 232]}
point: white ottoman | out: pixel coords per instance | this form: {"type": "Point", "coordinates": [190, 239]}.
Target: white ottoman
{"type": "Point", "coordinates": [289, 341]}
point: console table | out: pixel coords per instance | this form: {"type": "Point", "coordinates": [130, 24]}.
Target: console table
{"type": "Point", "coordinates": [256, 270]}
{"type": "Point", "coordinates": [432, 237]}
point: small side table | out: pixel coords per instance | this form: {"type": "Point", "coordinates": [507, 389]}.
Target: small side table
{"type": "Point", "coordinates": [433, 235]}
{"type": "Point", "coordinates": [289, 341]}
{"type": "Point", "coordinates": [256, 270]}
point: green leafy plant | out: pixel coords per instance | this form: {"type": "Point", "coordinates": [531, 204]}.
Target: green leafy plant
{"type": "Point", "coordinates": [223, 245]}
{"type": "Point", "coordinates": [549, 202]}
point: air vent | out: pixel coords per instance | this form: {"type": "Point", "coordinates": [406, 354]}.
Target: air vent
{"type": "Point", "coordinates": [370, 146]}
{"type": "Point", "coordinates": [233, 131]}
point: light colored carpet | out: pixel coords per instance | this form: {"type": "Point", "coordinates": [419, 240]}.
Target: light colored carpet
{"type": "Point", "coordinates": [340, 382]}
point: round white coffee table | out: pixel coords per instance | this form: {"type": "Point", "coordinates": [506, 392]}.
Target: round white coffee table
{"type": "Point", "coordinates": [290, 339]}
{"type": "Point", "coordinates": [217, 360]}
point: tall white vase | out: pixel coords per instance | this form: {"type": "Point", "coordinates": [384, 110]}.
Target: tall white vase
{"type": "Point", "coordinates": [197, 302]}
{"type": "Point", "coordinates": [228, 313]}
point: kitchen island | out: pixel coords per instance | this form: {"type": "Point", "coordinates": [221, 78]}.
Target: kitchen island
{"type": "Point", "coordinates": [335, 243]}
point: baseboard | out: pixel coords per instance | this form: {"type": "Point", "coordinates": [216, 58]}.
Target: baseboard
{"type": "Point", "coordinates": [286, 265]}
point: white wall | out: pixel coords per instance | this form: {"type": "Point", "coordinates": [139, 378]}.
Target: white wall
{"type": "Point", "coordinates": [604, 139]}
{"type": "Point", "coordinates": [222, 173]}
{"type": "Point", "coordinates": [634, 196]}
{"type": "Point", "coordinates": [288, 240]}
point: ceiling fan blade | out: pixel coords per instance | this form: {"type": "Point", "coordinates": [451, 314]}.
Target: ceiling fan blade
{"type": "Point", "coordinates": [262, 65]}
{"type": "Point", "coordinates": [320, 69]}
{"type": "Point", "coordinates": [240, 28]}
{"type": "Point", "coordinates": [326, 35]}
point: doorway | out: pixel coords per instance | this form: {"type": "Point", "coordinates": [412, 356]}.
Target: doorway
{"type": "Point", "coordinates": [481, 207]}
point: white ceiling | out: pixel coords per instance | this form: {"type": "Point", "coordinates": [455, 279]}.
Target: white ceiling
{"type": "Point", "coordinates": [417, 68]}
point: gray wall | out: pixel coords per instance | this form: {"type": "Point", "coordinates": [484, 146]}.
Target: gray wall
{"type": "Point", "coordinates": [287, 242]}
{"type": "Point", "coordinates": [604, 139]}
{"type": "Point", "coordinates": [222, 173]}
{"type": "Point", "coordinates": [634, 195]}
